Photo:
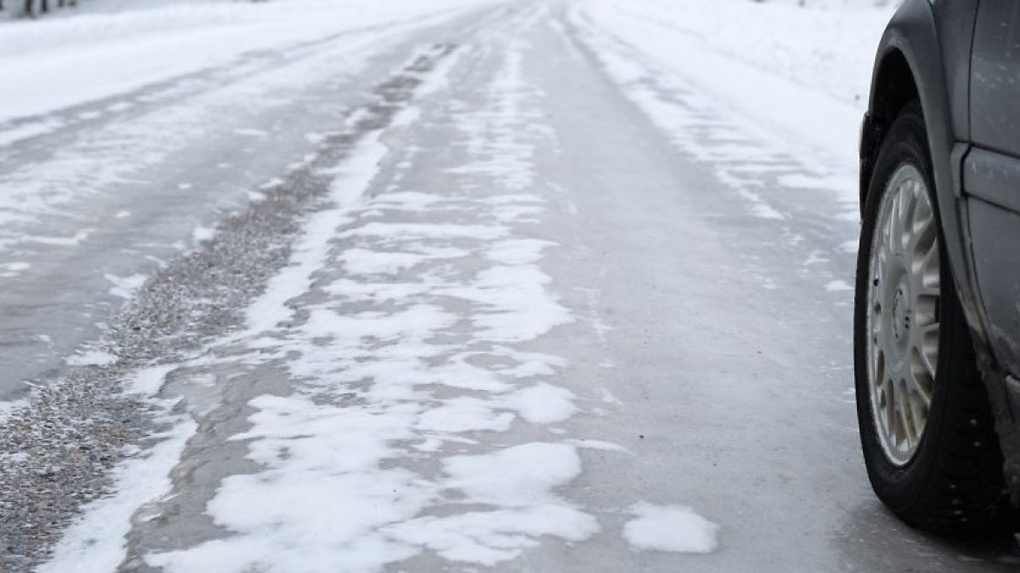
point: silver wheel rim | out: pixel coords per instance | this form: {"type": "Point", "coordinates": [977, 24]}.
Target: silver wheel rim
{"type": "Point", "coordinates": [903, 314]}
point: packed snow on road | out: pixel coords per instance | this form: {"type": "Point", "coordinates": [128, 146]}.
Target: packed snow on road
{"type": "Point", "coordinates": [308, 286]}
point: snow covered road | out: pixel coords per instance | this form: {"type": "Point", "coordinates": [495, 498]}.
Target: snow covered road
{"type": "Point", "coordinates": [499, 289]}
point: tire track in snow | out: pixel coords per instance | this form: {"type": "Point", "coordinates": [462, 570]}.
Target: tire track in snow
{"type": "Point", "coordinates": [405, 368]}
{"type": "Point", "coordinates": [189, 302]}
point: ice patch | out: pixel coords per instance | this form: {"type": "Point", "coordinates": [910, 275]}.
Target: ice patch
{"type": "Point", "coordinates": [672, 528]}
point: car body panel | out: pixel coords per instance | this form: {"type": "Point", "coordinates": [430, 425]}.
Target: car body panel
{"type": "Point", "coordinates": [995, 77]}
{"type": "Point", "coordinates": [992, 174]}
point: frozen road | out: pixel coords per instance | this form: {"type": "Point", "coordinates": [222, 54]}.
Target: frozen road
{"type": "Point", "coordinates": [491, 289]}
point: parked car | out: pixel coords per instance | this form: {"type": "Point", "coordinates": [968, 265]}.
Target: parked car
{"type": "Point", "coordinates": [937, 312]}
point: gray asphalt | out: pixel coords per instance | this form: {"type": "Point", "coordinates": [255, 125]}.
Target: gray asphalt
{"type": "Point", "coordinates": [728, 358]}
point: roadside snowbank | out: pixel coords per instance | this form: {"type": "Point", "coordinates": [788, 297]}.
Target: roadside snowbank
{"type": "Point", "coordinates": [827, 46]}
{"type": "Point", "coordinates": [798, 76]}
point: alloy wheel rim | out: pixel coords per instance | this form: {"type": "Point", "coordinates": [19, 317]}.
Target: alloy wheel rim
{"type": "Point", "coordinates": [903, 314]}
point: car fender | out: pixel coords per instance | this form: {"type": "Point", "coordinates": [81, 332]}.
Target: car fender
{"type": "Point", "coordinates": [913, 35]}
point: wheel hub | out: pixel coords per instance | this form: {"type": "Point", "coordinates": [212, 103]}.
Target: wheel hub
{"type": "Point", "coordinates": [903, 328]}
{"type": "Point", "coordinates": [900, 315]}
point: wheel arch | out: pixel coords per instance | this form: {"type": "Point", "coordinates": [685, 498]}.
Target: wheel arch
{"type": "Point", "coordinates": [893, 87]}
{"type": "Point", "coordinates": [909, 65]}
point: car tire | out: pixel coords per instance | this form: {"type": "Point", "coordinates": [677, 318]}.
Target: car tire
{"type": "Point", "coordinates": [926, 427]}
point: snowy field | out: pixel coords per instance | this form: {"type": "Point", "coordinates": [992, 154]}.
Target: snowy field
{"type": "Point", "coordinates": [105, 46]}
{"type": "Point", "coordinates": [59, 62]}
{"type": "Point", "coordinates": [512, 282]}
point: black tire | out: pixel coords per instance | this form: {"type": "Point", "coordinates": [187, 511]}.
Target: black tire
{"type": "Point", "coordinates": [954, 481]}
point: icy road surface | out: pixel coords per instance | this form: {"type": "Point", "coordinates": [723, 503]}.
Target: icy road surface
{"type": "Point", "coordinates": [494, 288]}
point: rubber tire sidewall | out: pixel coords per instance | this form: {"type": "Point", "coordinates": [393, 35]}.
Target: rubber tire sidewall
{"type": "Point", "coordinates": [901, 487]}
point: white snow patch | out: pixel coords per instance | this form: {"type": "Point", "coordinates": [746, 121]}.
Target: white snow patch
{"type": "Point", "coordinates": [72, 241]}
{"type": "Point", "coordinates": [202, 234]}
{"type": "Point", "coordinates": [838, 286]}
{"type": "Point", "coordinates": [92, 358]}
{"type": "Point", "coordinates": [366, 262]}
{"type": "Point", "coordinates": [518, 476]}
{"type": "Point", "coordinates": [672, 528]}
{"type": "Point", "coordinates": [309, 253]}
{"type": "Point", "coordinates": [517, 307]}
{"type": "Point", "coordinates": [148, 381]}
{"type": "Point", "coordinates": [465, 414]}
{"type": "Point", "coordinates": [490, 537]}
{"type": "Point", "coordinates": [543, 403]}
{"type": "Point", "coordinates": [125, 287]}
{"type": "Point", "coordinates": [597, 445]}
{"type": "Point", "coordinates": [9, 270]}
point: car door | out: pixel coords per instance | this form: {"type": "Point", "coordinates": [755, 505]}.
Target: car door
{"type": "Point", "coordinates": [991, 173]}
